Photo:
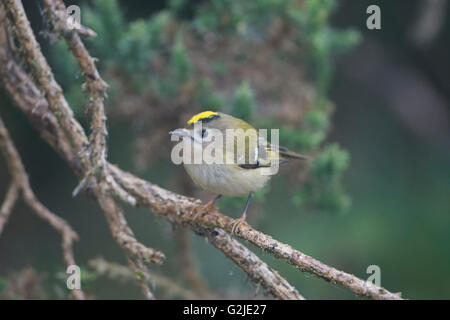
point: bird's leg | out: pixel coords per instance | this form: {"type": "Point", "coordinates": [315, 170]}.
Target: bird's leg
{"type": "Point", "coordinates": [207, 207]}
{"type": "Point", "coordinates": [238, 222]}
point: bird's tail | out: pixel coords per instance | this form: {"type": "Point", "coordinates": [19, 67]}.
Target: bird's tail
{"type": "Point", "coordinates": [288, 154]}
{"type": "Point", "coordinates": [285, 154]}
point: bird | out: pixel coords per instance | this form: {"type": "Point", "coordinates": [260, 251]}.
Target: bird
{"type": "Point", "coordinates": [242, 167]}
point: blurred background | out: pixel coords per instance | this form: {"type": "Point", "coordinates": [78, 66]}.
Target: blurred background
{"type": "Point", "coordinates": [371, 106]}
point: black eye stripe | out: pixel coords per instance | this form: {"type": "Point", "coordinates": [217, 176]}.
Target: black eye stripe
{"type": "Point", "coordinates": [206, 120]}
{"type": "Point", "coordinates": [203, 132]}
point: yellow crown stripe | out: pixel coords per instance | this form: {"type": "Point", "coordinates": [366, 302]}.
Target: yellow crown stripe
{"type": "Point", "coordinates": [201, 116]}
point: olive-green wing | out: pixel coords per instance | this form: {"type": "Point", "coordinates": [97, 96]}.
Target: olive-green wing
{"type": "Point", "coordinates": [273, 155]}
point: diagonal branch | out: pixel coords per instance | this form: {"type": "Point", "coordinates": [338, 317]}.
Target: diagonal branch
{"type": "Point", "coordinates": [8, 204]}
{"type": "Point", "coordinates": [21, 182]}
{"type": "Point", "coordinates": [118, 272]}
{"type": "Point", "coordinates": [72, 134]}
{"type": "Point", "coordinates": [44, 77]}
{"type": "Point", "coordinates": [258, 271]}
{"type": "Point", "coordinates": [179, 209]}
{"type": "Point", "coordinates": [123, 234]}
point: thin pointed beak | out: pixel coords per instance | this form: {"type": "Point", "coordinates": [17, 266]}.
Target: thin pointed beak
{"type": "Point", "coordinates": [181, 133]}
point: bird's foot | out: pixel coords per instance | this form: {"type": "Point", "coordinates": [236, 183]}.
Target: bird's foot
{"type": "Point", "coordinates": [202, 210]}
{"type": "Point", "coordinates": [237, 224]}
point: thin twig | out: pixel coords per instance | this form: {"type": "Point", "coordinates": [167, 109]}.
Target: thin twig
{"type": "Point", "coordinates": [189, 269]}
{"type": "Point", "coordinates": [20, 178]}
{"type": "Point", "coordinates": [8, 204]}
{"type": "Point", "coordinates": [142, 276]}
{"type": "Point", "coordinates": [124, 235]}
{"type": "Point", "coordinates": [119, 272]}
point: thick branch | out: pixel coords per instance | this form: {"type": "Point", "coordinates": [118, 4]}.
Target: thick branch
{"type": "Point", "coordinates": [258, 271]}
{"type": "Point", "coordinates": [41, 70]}
{"type": "Point", "coordinates": [123, 234]}
{"type": "Point", "coordinates": [181, 210]}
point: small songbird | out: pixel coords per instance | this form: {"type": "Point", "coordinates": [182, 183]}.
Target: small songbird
{"type": "Point", "coordinates": [241, 168]}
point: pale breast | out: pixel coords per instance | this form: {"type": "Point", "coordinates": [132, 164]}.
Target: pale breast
{"type": "Point", "coordinates": [226, 179]}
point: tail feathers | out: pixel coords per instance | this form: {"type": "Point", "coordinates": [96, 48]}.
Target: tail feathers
{"type": "Point", "coordinates": [286, 154]}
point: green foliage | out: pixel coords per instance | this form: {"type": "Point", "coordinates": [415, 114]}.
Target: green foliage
{"type": "Point", "coordinates": [316, 119]}
{"type": "Point", "coordinates": [309, 18]}
{"type": "Point", "coordinates": [156, 29]}
{"type": "Point", "coordinates": [130, 44]}
{"type": "Point", "coordinates": [179, 69]}
{"type": "Point", "coordinates": [3, 284]}
{"type": "Point", "coordinates": [62, 60]}
{"type": "Point", "coordinates": [87, 278]}
{"type": "Point", "coordinates": [68, 75]}
{"type": "Point", "coordinates": [180, 65]}
{"type": "Point", "coordinates": [177, 5]}
{"type": "Point", "coordinates": [246, 18]}
{"type": "Point", "coordinates": [134, 46]}
{"type": "Point", "coordinates": [323, 190]}
{"type": "Point", "coordinates": [330, 163]}
{"type": "Point", "coordinates": [140, 42]}
{"type": "Point", "coordinates": [243, 104]}
{"type": "Point", "coordinates": [302, 139]}
{"type": "Point", "coordinates": [105, 17]}
{"type": "Point", "coordinates": [207, 97]}
{"type": "Point", "coordinates": [322, 42]}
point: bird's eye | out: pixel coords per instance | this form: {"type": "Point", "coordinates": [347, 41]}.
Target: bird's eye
{"type": "Point", "coordinates": [203, 133]}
